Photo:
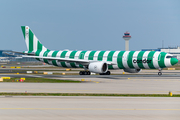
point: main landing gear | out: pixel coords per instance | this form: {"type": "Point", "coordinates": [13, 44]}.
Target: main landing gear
{"type": "Point", "coordinates": [160, 73]}
{"type": "Point", "coordinates": [107, 73]}
{"type": "Point", "coordinates": [84, 73]}
{"type": "Point", "coordinates": [89, 73]}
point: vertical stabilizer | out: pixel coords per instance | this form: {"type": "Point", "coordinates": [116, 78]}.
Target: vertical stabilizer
{"type": "Point", "coordinates": [32, 43]}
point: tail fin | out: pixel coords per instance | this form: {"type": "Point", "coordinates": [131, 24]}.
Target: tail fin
{"type": "Point", "coordinates": [33, 44]}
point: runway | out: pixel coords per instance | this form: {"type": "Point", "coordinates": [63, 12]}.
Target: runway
{"type": "Point", "coordinates": [89, 108]}
{"type": "Point", "coordinates": [130, 84]}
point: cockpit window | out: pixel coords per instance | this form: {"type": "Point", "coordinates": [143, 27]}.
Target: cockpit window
{"type": "Point", "coordinates": [171, 56]}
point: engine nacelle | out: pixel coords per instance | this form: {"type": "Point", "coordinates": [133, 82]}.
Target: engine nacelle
{"type": "Point", "coordinates": [132, 70]}
{"type": "Point", "coordinates": [98, 67]}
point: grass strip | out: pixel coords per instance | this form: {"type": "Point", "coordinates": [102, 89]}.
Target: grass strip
{"type": "Point", "coordinates": [87, 94]}
{"type": "Point", "coordinates": [41, 80]}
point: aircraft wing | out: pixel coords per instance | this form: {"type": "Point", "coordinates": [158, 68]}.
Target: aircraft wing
{"type": "Point", "coordinates": [69, 60]}
{"type": "Point", "coordinates": [18, 52]}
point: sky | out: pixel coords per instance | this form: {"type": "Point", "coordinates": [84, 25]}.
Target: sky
{"type": "Point", "coordinates": [91, 24]}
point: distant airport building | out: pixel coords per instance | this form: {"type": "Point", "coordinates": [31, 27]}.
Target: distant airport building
{"type": "Point", "coordinates": [171, 50]}
{"type": "Point", "coordinates": [127, 37]}
{"type": "Point", "coordinates": [9, 56]}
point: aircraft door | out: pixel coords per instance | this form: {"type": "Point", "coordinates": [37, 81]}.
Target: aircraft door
{"type": "Point", "coordinates": [81, 56]}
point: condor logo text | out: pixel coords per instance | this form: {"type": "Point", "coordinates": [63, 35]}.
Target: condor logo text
{"type": "Point", "coordinates": [142, 61]}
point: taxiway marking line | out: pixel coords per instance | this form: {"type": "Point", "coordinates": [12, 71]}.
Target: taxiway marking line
{"type": "Point", "coordinates": [88, 109]}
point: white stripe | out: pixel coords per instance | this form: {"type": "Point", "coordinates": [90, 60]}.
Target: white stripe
{"type": "Point", "coordinates": [50, 55]}
{"type": "Point", "coordinates": [155, 60]}
{"type": "Point", "coordinates": [105, 56]}
{"type": "Point", "coordinates": [96, 55]}
{"type": "Point", "coordinates": [167, 61]}
{"type": "Point", "coordinates": [35, 40]}
{"type": "Point", "coordinates": [67, 56]}
{"type": "Point", "coordinates": [41, 55]}
{"type": "Point", "coordinates": [86, 55]}
{"type": "Point", "coordinates": [135, 55]}
{"type": "Point", "coordinates": [114, 59]}
{"type": "Point", "coordinates": [145, 55]}
{"type": "Point", "coordinates": [43, 48]}
{"type": "Point", "coordinates": [58, 55]}
{"type": "Point", "coordinates": [125, 58]}
{"type": "Point", "coordinates": [27, 37]}
{"type": "Point", "coordinates": [77, 57]}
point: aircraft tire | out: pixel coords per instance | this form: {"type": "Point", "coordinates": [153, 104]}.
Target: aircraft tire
{"type": "Point", "coordinates": [81, 73]}
{"type": "Point", "coordinates": [88, 72]}
{"type": "Point", "coordinates": [159, 73]}
{"type": "Point", "coordinates": [84, 73]}
{"type": "Point", "coordinates": [108, 73]}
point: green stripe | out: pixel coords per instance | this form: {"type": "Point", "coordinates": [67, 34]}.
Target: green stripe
{"type": "Point", "coordinates": [31, 35]}
{"type": "Point", "coordinates": [45, 55]}
{"type": "Point", "coordinates": [37, 54]}
{"type": "Point", "coordinates": [81, 56]}
{"type": "Point", "coordinates": [110, 56]}
{"type": "Point", "coordinates": [81, 66]}
{"type": "Point", "coordinates": [72, 55]}
{"type": "Point", "coordinates": [130, 61]}
{"type": "Point", "coordinates": [23, 30]}
{"type": "Point", "coordinates": [91, 55]}
{"type": "Point", "coordinates": [39, 46]}
{"type": "Point", "coordinates": [110, 67]}
{"type": "Point", "coordinates": [63, 54]}
{"type": "Point", "coordinates": [161, 58]}
{"type": "Point", "coordinates": [150, 58]}
{"type": "Point", "coordinates": [54, 55]}
{"type": "Point", "coordinates": [100, 56]}
{"type": "Point", "coordinates": [140, 58]}
{"type": "Point", "coordinates": [119, 60]}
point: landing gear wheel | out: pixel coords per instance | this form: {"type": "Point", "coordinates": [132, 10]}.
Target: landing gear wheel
{"type": "Point", "coordinates": [84, 73]}
{"type": "Point", "coordinates": [88, 72]}
{"type": "Point", "coordinates": [159, 73]}
{"type": "Point", "coordinates": [81, 73]}
{"type": "Point", "coordinates": [108, 73]}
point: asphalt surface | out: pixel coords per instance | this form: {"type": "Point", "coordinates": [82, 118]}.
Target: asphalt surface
{"type": "Point", "coordinates": [121, 84]}
{"type": "Point", "coordinates": [89, 108]}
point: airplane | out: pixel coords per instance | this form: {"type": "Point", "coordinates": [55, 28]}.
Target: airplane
{"type": "Point", "coordinates": [97, 61]}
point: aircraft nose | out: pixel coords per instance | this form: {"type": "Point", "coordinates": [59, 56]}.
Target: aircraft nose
{"type": "Point", "coordinates": [174, 61]}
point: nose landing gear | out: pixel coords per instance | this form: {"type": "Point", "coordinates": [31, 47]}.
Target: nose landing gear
{"type": "Point", "coordinates": [160, 73]}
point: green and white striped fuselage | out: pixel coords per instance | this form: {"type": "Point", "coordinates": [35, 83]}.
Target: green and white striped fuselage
{"type": "Point", "coordinates": [96, 61]}
{"type": "Point", "coordinates": [123, 59]}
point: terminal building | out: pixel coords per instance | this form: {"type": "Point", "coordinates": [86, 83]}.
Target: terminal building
{"type": "Point", "coordinates": [9, 57]}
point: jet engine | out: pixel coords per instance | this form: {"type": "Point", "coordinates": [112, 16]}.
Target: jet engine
{"type": "Point", "coordinates": [98, 67]}
{"type": "Point", "coordinates": [132, 70]}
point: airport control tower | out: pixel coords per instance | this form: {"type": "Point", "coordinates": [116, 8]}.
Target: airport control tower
{"type": "Point", "coordinates": [127, 37]}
